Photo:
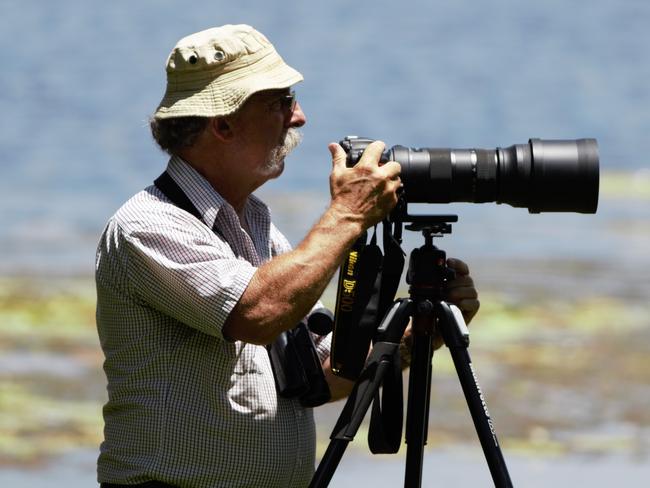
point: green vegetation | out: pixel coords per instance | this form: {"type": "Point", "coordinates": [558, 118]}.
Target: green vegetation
{"type": "Point", "coordinates": [34, 426]}
{"type": "Point", "coordinates": [44, 414]}
{"type": "Point", "coordinates": [555, 373]}
{"type": "Point", "coordinates": [47, 311]}
{"type": "Point", "coordinates": [625, 185]}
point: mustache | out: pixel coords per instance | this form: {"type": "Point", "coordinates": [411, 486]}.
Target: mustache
{"type": "Point", "coordinates": [291, 140]}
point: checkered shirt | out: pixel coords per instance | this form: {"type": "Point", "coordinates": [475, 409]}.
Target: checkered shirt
{"type": "Point", "coordinates": [185, 406]}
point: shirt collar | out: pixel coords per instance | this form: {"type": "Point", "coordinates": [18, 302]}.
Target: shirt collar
{"type": "Point", "coordinates": [204, 197]}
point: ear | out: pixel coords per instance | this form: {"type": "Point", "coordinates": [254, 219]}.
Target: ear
{"type": "Point", "coordinates": [222, 128]}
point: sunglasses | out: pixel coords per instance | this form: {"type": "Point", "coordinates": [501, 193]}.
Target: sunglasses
{"type": "Point", "coordinates": [285, 103]}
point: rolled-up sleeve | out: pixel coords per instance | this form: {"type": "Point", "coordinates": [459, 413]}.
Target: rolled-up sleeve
{"type": "Point", "coordinates": [186, 273]}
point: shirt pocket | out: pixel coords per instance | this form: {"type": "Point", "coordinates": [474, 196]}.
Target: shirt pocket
{"type": "Point", "coordinates": [252, 387]}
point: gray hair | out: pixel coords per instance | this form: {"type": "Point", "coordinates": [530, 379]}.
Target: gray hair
{"type": "Point", "coordinates": [177, 133]}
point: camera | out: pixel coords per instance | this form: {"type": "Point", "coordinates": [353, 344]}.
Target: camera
{"type": "Point", "coordinates": [543, 175]}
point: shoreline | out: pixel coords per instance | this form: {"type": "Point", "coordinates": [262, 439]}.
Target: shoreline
{"type": "Point", "coordinates": [542, 276]}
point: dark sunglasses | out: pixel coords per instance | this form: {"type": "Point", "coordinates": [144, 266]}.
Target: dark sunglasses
{"type": "Point", "coordinates": [284, 103]}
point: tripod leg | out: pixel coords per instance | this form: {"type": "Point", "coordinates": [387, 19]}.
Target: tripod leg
{"type": "Point", "coordinates": [331, 460]}
{"type": "Point", "coordinates": [382, 359]}
{"type": "Point", "coordinates": [379, 364]}
{"type": "Point", "coordinates": [417, 420]}
{"type": "Point", "coordinates": [457, 343]}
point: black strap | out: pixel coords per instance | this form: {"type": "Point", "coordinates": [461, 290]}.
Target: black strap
{"type": "Point", "coordinates": [391, 271]}
{"type": "Point", "coordinates": [386, 281]}
{"type": "Point", "coordinates": [171, 190]}
{"type": "Point", "coordinates": [372, 273]}
{"type": "Point", "coordinates": [354, 324]}
{"type": "Point", "coordinates": [385, 432]}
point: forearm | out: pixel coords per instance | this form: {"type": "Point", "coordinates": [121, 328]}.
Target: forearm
{"type": "Point", "coordinates": [283, 290]}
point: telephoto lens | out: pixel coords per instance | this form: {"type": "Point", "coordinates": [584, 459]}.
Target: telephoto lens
{"type": "Point", "coordinates": [543, 175]}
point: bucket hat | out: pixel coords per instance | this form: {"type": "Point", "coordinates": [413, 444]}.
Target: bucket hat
{"type": "Point", "coordinates": [213, 72]}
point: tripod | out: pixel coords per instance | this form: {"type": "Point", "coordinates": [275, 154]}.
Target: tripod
{"type": "Point", "coordinates": [426, 276]}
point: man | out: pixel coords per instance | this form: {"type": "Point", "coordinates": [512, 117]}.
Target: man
{"type": "Point", "coordinates": [186, 304]}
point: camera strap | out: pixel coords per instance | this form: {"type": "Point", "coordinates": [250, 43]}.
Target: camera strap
{"type": "Point", "coordinates": [385, 434]}
{"type": "Point", "coordinates": [171, 190]}
{"type": "Point", "coordinates": [355, 323]}
{"type": "Point", "coordinates": [391, 270]}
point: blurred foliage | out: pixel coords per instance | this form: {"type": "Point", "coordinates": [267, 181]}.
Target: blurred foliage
{"type": "Point", "coordinates": [44, 311]}
{"type": "Point", "coordinates": [559, 375]}
{"type": "Point", "coordinates": [625, 185]}
{"type": "Point", "coordinates": [502, 319]}
{"type": "Point", "coordinates": [35, 426]}
{"type": "Point", "coordinates": [42, 414]}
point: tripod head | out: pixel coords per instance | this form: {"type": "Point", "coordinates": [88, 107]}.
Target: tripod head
{"type": "Point", "coordinates": [431, 225]}
{"type": "Point", "coordinates": [438, 224]}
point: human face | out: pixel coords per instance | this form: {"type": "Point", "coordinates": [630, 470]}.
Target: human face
{"type": "Point", "coordinates": [270, 120]}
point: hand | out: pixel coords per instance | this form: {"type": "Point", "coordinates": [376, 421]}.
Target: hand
{"type": "Point", "coordinates": [461, 291]}
{"type": "Point", "coordinates": [367, 192]}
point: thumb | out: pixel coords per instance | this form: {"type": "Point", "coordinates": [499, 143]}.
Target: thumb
{"type": "Point", "coordinates": [339, 156]}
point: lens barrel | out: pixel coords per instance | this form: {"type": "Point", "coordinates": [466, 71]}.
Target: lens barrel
{"type": "Point", "coordinates": [543, 175]}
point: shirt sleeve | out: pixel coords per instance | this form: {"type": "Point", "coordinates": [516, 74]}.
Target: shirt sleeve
{"type": "Point", "coordinates": [186, 272]}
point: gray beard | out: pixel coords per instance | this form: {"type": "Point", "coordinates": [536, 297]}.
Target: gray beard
{"type": "Point", "coordinates": [281, 151]}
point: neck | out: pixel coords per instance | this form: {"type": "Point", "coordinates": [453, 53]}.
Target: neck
{"type": "Point", "coordinates": [224, 181]}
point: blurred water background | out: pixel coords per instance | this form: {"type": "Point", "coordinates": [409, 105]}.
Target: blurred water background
{"type": "Point", "coordinates": [561, 344]}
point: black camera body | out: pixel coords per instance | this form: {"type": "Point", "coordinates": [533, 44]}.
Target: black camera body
{"type": "Point", "coordinates": [543, 175]}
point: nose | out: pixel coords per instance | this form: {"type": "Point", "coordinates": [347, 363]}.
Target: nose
{"type": "Point", "coordinates": [297, 118]}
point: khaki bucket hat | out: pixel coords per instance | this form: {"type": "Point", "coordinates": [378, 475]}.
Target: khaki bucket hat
{"type": "Point", "coordinates": [213, 72]}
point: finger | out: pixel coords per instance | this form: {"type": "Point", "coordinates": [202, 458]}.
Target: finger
{"type": "Point", "coordinates": [458, 266]}
{"type": "Point", "coordinates": [339, 157]}
{"type": "Point", "coordinates": [460, 281]}
{"type": "Point", "coordinates": [391, 169]}
{"type": "Point", "coordinates": [459, 294]}
{"type": "Point", "coordinates": [469, 308]}
{"type": "Point", "coordinates": [396, 186]}
{"type": "Point", "coordinates": [372, 154]}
